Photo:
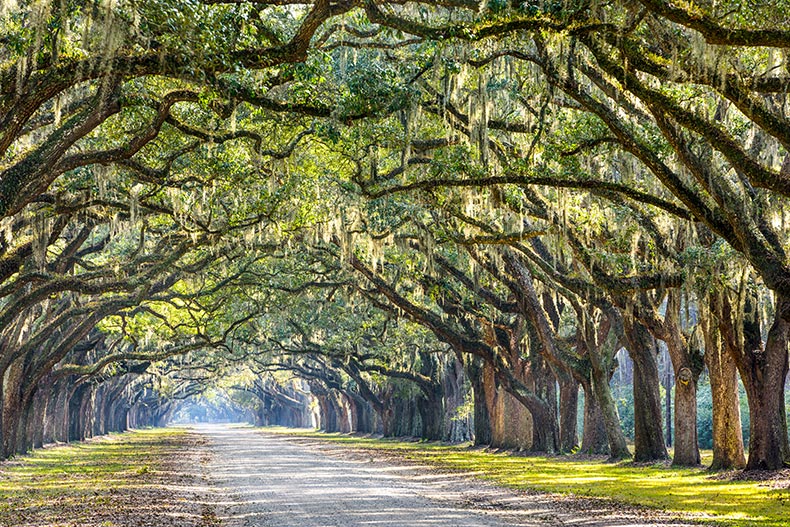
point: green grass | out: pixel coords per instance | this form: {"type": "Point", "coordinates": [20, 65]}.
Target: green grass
{"type": "Point", "coordinates": [71, 481]}
{"type": "Point", "coordinates": [687, 492]}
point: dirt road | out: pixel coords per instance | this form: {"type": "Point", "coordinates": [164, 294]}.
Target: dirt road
{"type": "Point", "coordinates": [272, 481]}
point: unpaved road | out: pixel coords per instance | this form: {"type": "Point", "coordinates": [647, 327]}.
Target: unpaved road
{"type": "Point", "coordinates": [272, 481]}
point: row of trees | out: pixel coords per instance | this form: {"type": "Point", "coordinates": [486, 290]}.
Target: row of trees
{"type": "Point", "coordinates": [446, 217]}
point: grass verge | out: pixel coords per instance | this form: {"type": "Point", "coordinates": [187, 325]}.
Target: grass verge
{"type": "Point", "coordinates": [134, 478]}
{"type": "Point", "coordinates": [690, 493]}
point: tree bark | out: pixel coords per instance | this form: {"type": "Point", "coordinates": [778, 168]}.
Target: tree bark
{"type": "Point", "coordinates": [430, 402]}
{"type": "Point", "coordinates": [648, 432]}
{"type": "Point", "coordinates": [686, 439]}
{"type": "Point", "coordinates": [764, 371]}
{"type": "Point", "coordinates": [601, 358]}
{"type": "Point", "coordinates": [41, 413]}
{"type": "Point", "coordinates": [618, 447]}
{"type": "Point", "coordinates": [431, 411]}
{"type": "Point", "coordinates": [11, 408]}
{"type": "Point", "coordinates": [686, 371]}
{"type": "Point", "coordinates": [668, 383]}
{"type": "Point", "coordinates": [482, 418]}
{"type": "Point", "coordinates": [569, 409]}
{"type": "Point", "coordinates": [514, 425]}
{"type": "Point", "coordinates": [594, 437]}
{"type": "Point", "coordinates": [456, 427]}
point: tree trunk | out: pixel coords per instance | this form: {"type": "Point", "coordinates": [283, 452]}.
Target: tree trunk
{"type": "Point", "coordinates": [687, 372]}
{"type": "Point", "coordinates": [11, 407]}
{"type": "Point", "coordinates": [2, 416]}
{"type": "Point", "coordinates": [365, 420]}
{"type": "Point", "coordinates": [668, 383]}
{"type": "Point", "coordinates": [545, 426]}
{"type": "Point", "coordinates": [482, 418]}
{"type": "Point", "coordinates": [41, 413]}
{"type": "Point", "coordinates": [516, 424]}
{"type": "Point", "coordinates": [594, 438]}
{"type": "Point", "coordinates": [86, 413]}
{"type": "Point", "coordinates": [569, 409]}
{"type": "Point", "coordinates": [686, 440]}
{"type": "Point", "coordinates": [432, 415]}
{"type": "Point", "coordinates": [648, 432]}
{"type": "Point", "coordinates": [328, 415]}
{"type": "Point", "coordinates": [343, 421]}
{"type": "Point", "coordinates": [764, 372]}
{"type": "Point", "coordinates": [618, 447]}
{"type": "Point", "coordinates": [24, 441]}
{"type": "Point", "coordinates": [728, 451]}
{"type": "Point", "coordinates": [404, 416]}
{"type": "Point", "coordinates": [600, 345]}
{"type": "Point", "coordinates": [361, 420]}
{"type": "Point", "coordinates": [456, 426]}
{"type": "Point", "coordinates": [54, 415]}
{"type": "Point", "coordinates": [430, 402]}
{"type": "Point", "coordinates": [387, 417]}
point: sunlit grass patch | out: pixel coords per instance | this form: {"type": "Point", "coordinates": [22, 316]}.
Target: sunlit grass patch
{"type": "Point", "coordinates": [689, 492]}
{"type": "Point", "coordinates": [69, 483]}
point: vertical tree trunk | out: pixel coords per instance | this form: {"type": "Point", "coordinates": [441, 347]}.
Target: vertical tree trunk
{"type": "Point", "coordinates": [98, 412]}
{"type": "Point", "coordinates": [24, 442]}
{"type": "Point", "coordinates": [518, 420]}
{"type": "Point", "coordinates": [687, 370]}
{"type": "Point", "coordinates": [54, 414]}
{"type": "Point", "coordinates": [341, 410]}
{"type": "Point", "coordinates": [648, 432]}
{"type": "Point", "coordinates": [594, 438]}
{"type": "Point", "coordinates": [2, 416]}
{"type": "Point", "coordinates": [365, 421]}
{"type": "Point", "coordinates": [545, 431]}
{"type": "Point", "coordinates": [618, 447]}
{"type": "Point", "coordinates": [41, 413]}
{"type": "Point", "coordinates": [353, 405]}
{"type": "Point", "coordinates": [11, 408]}
{"type": "Point", "coordinates": [686, 439]}
{"type": "Point", "coordinates": [482, 418]}
{"type": "Point", "coordinates": [328, 415]}
{"type": "Point", "coordinates": [668, 382]}
{"type": "Point", "coordinates": [431, 411]}
{"type": "Point", "coordinates": [764, 373]}
{"type": "Point", "coordinates": [61, 429]}
{"type": "Point", "coordinates": [387, 416]}
{"type": "Point", "coordinates": [600, 345]}
{"type": "Point", "coordinates": [456, 426]}
{"type": "Point", "coordinates": [430, 402]}
{"type": "Point", "coordinates": [569, 408]}
{"type": "Point", "coordinates": [87, 413]}
{"type": "Point", "coordinates": [545, 426]}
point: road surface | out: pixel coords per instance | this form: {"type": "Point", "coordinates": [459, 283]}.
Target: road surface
{"type": "Point", "coordinates": [264, 480]}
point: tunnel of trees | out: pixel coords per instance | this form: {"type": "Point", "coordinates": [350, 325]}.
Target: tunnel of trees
{"type": "Point", "coordinates": [555, 226]}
